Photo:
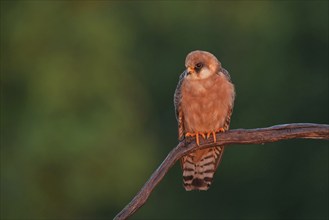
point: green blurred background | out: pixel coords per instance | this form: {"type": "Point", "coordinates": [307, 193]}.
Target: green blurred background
{"type": "Point", "coordinates": [87, 107]}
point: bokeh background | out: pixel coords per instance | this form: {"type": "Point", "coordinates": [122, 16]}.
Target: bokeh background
{"type": "Point", "coordinates": [87, 107]}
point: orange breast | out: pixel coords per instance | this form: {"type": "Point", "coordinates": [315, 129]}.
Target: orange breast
{"type": "Point", "coordinates": [205, 103]}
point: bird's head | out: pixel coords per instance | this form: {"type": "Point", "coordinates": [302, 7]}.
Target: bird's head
{"type": "Point", "coordinates": [201, 65]}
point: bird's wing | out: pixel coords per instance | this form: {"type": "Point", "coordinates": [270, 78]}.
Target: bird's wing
{"type": "Point", "coordinates": [225, 73]}
{"type": "Point", "coordinates": [230, 108]}
{"type": "Point", "coordinates": [178, 108]}
{"type": "Point", "coordinates": [228, 118]}
{"type": "Point", "coordinates": [226, 126]}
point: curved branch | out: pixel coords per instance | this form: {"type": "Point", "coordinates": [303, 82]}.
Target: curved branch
{"type": "Point", "coordinates": [237, 136]}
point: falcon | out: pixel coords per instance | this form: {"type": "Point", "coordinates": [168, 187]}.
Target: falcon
{"type": "Point", "coordinates": [203, 100]}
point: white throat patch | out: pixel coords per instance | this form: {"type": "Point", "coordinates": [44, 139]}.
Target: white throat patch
{"type": "Point", "coordinates": [204, 73]}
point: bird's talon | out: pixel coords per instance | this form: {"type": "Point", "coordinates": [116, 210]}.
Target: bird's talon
{"type": "Point", "coordinates": [188, 134]}
{"type": "Point", "coordinates": [214, 136]}
{"type": "Point", "coordinates": [197, 139]}
{"type": "Point", "coordinates": [203, 135]}
{"type": "Point", "coordinates": [196, 135]}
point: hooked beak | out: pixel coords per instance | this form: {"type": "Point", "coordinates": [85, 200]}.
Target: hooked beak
{"type": "Point", "coordinates": [188, 71]}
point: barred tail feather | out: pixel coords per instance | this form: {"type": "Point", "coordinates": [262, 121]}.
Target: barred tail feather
{"type": "Point", "coordinates": [199, 168]}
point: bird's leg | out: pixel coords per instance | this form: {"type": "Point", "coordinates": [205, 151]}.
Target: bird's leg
{"type": "Point", "coordinates": [213, 133]}
{"type": "Point", "coordinates": [197, 138]}
{"type": "Point", "coordinates": [191, 134]}
{"type": "Point", "coordinates": [202, 134]}
{"type": "Point", "coordinates": [196, 134]}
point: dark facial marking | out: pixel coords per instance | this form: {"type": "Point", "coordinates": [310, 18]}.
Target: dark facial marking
{"type": "Point", "coordinates": [198, 67]}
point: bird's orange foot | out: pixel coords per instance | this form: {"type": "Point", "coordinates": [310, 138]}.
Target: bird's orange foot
{"type": "Point", "coordinates": [196, 135]}
{"type": "Point", "coordinates": [213, 133]}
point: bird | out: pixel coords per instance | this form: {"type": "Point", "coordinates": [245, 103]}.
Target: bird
{"type": "Point", "coordinates": [203, 100]}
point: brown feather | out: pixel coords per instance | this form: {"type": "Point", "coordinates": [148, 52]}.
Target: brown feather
{"type": "Point", "coordinates": [178, 109]}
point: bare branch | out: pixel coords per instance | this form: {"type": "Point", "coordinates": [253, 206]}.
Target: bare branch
{"type": "Point", "coordinates": [237, 136]}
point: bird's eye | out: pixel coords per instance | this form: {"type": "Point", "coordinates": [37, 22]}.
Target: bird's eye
{"type": "Point", "coordinates": [198, 66]}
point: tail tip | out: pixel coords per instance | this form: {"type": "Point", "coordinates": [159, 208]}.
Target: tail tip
{"type": "Point", "coordinates": [197, 184]}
